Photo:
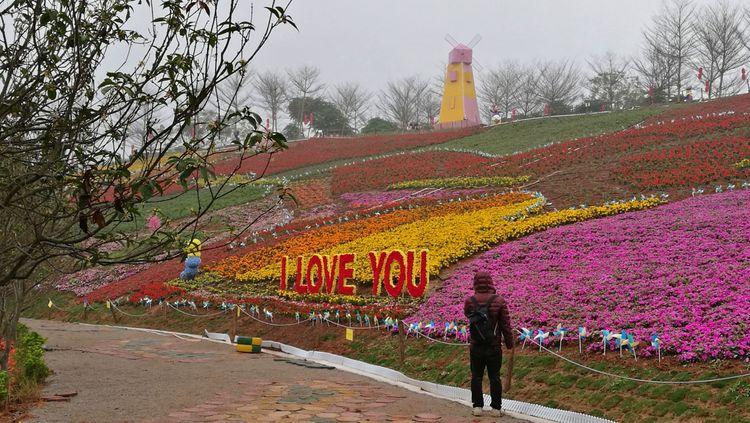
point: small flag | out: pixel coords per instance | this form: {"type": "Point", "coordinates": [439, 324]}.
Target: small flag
{"type": "Point", "coordinates": [349, 334]}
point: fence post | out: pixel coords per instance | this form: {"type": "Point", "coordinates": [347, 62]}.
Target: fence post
{"type": "Point", "coordinates": [234, 324]}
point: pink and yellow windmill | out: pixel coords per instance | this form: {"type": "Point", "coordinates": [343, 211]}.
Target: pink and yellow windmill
{"type": "Point", "coordinates": [459, 108]}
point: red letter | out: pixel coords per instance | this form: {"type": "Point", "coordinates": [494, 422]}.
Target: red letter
{"type": "Point", "coordinates": [314, 283]}
{"type": "Point", "coordinates": [299, 284]}
{"type": "Point", "coordinates": [394, 290]}
{"type": "Point", "coordinates": [377, 266]}
{"type": "Point", "coordinates": [345, 273]}
{"type": "Point", "coordinates": [282, 282]}
{"type": "Point", "coordinates": [330, 273]}
{"type": "Point", "coordinates": [424, 276]}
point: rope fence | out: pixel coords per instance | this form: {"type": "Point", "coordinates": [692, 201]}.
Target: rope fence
{"type": "Point", "coordinates": [417, 334]}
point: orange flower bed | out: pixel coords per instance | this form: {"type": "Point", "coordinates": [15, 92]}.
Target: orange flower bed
{"type": "Point", "coordinates": [329, 236]}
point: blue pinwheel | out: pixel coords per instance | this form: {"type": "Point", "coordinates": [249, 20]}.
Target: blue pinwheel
{"type": "Point", "coordinates": [525, 336]}
{"type": "Point", "coordinates": [560, 331]}
{"type": "Point", "coordinates": [540, 337]}
{"type": "Point", "coordinates": [656, 343]}
{"type": "Point", "coordinates": [606, 336]}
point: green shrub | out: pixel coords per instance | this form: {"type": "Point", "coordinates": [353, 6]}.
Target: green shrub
{"type": "Point", "coordinates": [4, 385]}
{"type": "Point", "coordinates": [30, 355]}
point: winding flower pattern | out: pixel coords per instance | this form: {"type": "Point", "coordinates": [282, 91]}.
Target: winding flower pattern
{"type": "Point", "coordinates": [681, 270]}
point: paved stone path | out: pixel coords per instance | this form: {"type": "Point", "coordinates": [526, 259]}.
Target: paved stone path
{"type": "Point", "coordinates": [121, 375]}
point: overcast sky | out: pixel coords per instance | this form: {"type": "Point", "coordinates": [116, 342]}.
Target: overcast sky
{"type": "Point", "coordinates": [374, 41]}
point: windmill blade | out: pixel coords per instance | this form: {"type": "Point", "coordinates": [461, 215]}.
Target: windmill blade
{"type": "Point", "coordinates": [476, 65]}
{"type": "Point", "coordinates": [452, 41]}
{"type": "Point", "coordinates": [474, 41]}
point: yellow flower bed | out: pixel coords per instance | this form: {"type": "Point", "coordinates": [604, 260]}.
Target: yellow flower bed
{"type": "Point", "coordinates": [462, 182]}
{"type": "Point", "coordinates": [455, 236]}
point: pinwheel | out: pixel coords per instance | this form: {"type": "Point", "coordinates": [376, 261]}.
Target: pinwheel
{"type": "Point", "coordinates": [560, 331]}
{"type": "Point", "coordinates": [621, 340]}
{"type": "Point", "coordinates": [582, 334]}
{"type": "Point", "coordinates": [525, 336]}
{"type": "Point", "coordinates": [463, 333]}
{"type": "Point", "coordinates": [223, 305]}
{"type": "Point", "coordinates": [367, 320]}
{"type": "Point", "coordinates": [449, 327]}
{"type": "Point", "coordinates": [312, 317]}
{"type": "Point", "coordinates": [191, 303]}
{"type": "Point", "coordinates": [606, 336]}
{"type": "Point", "coordinates": [540, 337]}
{"type": "Point", "coordinates": [359, 318]}
{"type": "Point", "coordinates": [327, 318]}
{"type": "Point", "coordinates": [296, 316]}
{"type": "Point", "coordinates": [148, 302]}
{"type": "Point", "coordinates": [376, 321]}
{"type": "Point", "coordinates": [656, 343]}
{"type": "Point", "coordinates": [269, 315]}
{"type": "Point", "coordinates": [338, 317]}
{"type": "Point", "coordinates": [349, 317]}
{"type": "Point", "coordinates": [632, 343]}
{"type": "Point", "coordinates": [430, 327]}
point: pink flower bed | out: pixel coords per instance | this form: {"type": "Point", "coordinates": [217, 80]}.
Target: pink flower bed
{"type": "Point", "coordinates": [681, 270]}
{"type": "Point", "coordinates": [377, 198]}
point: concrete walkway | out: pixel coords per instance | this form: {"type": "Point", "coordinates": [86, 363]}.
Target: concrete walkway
{"type": "Point", "coordinates": [121, 375]}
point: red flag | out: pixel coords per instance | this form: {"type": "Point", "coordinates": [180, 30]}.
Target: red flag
{"type": "Point", "coordinates": [651, 92]}
{"type": "Point", "coordinates": [708, 86]}
{"type": "Point", "coordinates": [513, 114]}
{"type": "Point", "coordinates": [700, 74]}
{"type": "Point", "coordinates": [546, 109]}
{"type": "Point", "coordinates": [744, 74]}
{"type": "Point", "coordinates": [268, 123]}
{"type": "Point", "coordinates": [312, 118]}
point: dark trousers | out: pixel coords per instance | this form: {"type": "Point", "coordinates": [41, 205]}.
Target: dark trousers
{"type": "Point", "coordinates": [491, 358]}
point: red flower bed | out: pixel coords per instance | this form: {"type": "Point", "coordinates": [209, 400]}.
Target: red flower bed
{"type": "Point", "coordinates": [737, 104]}
{"type": "Point", "coordinates": [312, 192]}
{"type": "Point", "coordinates": [378, 174]}
{"type": "Point", "coordinates": [156, 291]}
{"type": "Point", "coordinates": [322, 150]}
{"type": "Point", "coordinates": [687, 165]}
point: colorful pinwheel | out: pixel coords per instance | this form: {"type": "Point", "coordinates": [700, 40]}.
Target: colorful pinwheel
{"type": "Point", "coordinates": [560, 331]}
{"type": "Point", "coordinates": [606, 336]}
{"type": "Point", "coordinates": [656, 343]}
{"type": "Point", "coordinates": [540, 337]}
{"type": "Point", "coordinates": [525, 336]}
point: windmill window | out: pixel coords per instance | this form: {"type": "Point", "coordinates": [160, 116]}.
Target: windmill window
{"type": "Point", "coordinates": [453, 75]}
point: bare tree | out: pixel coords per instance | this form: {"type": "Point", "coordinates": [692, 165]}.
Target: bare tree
{"type": "Point", "coordinates": [527, 98]}
{"type": "Point", "coordinates": [353, 101]}
{"type": "Point", "coordinates": [720, 46]}
{"type": "Point", "coordinates": [610, 83]}
{"type": "Point", "coordinates": [272, 91]}
{"type": "Point", "coordinates": [501, 87]}
{"type": "Point", "coordinates": [675, 25]}
{"type": "Point", "coordinates": [305, 83]}
{"type": "Point", "coordinates": [400, 101]}
{"type": "Point", "coordinates": [558, 85]}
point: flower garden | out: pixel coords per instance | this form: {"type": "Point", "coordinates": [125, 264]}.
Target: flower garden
{"type": "Point", "coordinates": [642, 230]}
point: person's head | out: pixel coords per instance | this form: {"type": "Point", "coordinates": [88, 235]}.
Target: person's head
{"type": "Point", "coordinates": [483, 282]}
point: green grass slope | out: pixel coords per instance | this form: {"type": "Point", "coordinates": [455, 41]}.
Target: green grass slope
{"type": "Point", "coordinates": [527, 135]}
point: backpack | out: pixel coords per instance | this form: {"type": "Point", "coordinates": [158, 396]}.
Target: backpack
{"type": "Point", "coordinates": [480, 328]}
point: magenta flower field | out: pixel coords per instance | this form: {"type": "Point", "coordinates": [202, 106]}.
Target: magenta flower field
{"type": "Point", "coordinates": [681, 271]}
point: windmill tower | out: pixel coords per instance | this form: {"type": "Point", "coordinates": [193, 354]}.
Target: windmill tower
{"type": "Point", "coordinates": [459, 108]}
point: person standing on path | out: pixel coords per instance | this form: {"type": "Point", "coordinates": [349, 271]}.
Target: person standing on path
{"type": "Point", "coordinates": [489, 326]}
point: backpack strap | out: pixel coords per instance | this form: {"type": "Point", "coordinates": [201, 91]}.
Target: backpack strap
{"type": "Point", "coordinates": [491, 300]}
{"type": "Point", "coordinates": [474, 303]}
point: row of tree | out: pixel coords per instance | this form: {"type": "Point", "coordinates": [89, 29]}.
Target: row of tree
{"type": "Point", "coordinates": [688, 51]}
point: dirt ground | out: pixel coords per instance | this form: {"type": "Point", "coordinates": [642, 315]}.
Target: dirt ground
{"type": "Point", "coordinates": [121, 375]}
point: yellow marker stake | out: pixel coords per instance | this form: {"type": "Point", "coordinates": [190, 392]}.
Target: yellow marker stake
{"type": "Point", "coordinates": [349, 334]}
{"type": "Point", "coordinates": [49, 304]}
{"type": "Point", "coordinates": [107, 304]}
{"type": "Point", "coordinates": [238, 311]}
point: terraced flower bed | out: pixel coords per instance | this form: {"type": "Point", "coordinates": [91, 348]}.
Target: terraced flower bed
{"type": "Point", "coordinates": [680, 271]}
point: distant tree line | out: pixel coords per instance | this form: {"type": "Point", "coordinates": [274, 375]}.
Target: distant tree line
{"type": "Point", "coordinates": [681, 39]}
